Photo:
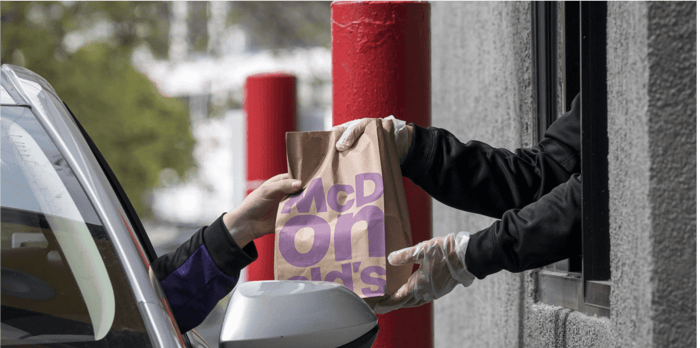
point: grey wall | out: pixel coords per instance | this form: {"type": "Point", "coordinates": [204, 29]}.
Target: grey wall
{"type": "Point", "coordinates": [481, 89]}
{"type": "Point", "coordinates": [629, 163]}
{"type": "Point", "coordinates": [652, 130]}
{"type": "Point", "coordinates": [673, 181]}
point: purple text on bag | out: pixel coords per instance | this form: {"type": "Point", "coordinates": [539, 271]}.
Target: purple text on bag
{"type": "Point", "coordinates": [360, 187]}
{"type": "Point", "coordinates": [345, 276]}
{"type": "Point", "coordinates": [322, 240]}
{"type": "Point", "coordinates": [366, 277]}
{"type": "Point", "coordinates": [333, 197]}
{"type": "Point", "coordinates": [374, 217]}
{"type": "Point", "coordinates": [303, 201]}
{"type": "Point", "coordinates": [315, 193]}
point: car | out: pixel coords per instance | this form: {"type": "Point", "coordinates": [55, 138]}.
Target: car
{"type": "Point", "coordinates": [76, 258]}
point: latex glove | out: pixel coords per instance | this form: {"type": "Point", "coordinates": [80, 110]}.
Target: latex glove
{"type": "Point", "coordinates": [442, 267]}
{"type": "Point", "coordinates": [354, 129]}
{"type": "Point", "coordinates": [255, 216]}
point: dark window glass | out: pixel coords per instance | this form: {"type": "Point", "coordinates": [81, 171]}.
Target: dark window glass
{"type": "Point", "coordinates": [550, 20]}
{"type": "Point", "coordinates": [580, 283]}
{"type": "Point", "coordinates": [594, 143]}
{"type": "Point", "coordinates": [62, 282]}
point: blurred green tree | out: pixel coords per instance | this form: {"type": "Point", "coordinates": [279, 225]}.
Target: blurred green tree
{"type": "Point", "coordinates": [139, 131]}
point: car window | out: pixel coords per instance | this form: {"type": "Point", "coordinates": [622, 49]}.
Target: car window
{"type": "Point", "coordinates": [62, 283]}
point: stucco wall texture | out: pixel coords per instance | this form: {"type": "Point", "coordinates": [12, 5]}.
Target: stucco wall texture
{"type": "Point", "coordinates": [672, 150]}
{"type": "Point", "coordinates": [482, 89]}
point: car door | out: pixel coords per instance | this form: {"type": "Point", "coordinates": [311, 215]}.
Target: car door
{"type": "Point", "coordinates": [75, 270]}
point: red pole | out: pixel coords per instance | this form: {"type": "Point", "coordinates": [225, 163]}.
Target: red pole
{"type": "Point", "coordinates": [381, 67]}
{"type": "Point", "coordinates": [270, 107]}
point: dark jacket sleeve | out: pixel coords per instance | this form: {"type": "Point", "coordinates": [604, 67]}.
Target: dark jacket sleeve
{"type": "Point", "coordinates": [201, 272]}
{"type": "Point", "coordinates": [543, 232]}
{"type": "Point", "coordinates": [536, 192]}
{"type": "Point", "coordinates": [478, 178]}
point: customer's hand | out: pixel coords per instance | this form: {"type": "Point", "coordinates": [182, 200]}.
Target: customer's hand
{"type": "Point", "coordinates": [352, 130]}
{"type": "Point", "coordinates": [442, 267]}
{"type": "Point", "coordinates": [255, 217]}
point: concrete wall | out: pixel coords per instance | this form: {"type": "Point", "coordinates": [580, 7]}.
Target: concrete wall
{"type": "Point", "coordinates": [482, 89]}
{"type": "Point", "coordinates": [630, 209]}
{"type": "Point", "coordinates": [652, 127]}
{"type": "Point", "coordinates": [672, 130]}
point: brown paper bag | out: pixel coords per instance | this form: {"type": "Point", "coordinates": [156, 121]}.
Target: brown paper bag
{"type": "Point", "coordinates": [350, 215]}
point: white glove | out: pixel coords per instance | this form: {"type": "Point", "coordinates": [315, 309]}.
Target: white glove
{"type": "Point", "coordinates": [442, 267]}
{"type": "Point", "coordinates": [355, 128]}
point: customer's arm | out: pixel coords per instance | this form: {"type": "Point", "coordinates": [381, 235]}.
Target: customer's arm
{"type": "Point", "coordinates": [206, 268]}
{"type": "Point", "coordinates": [201, 272]}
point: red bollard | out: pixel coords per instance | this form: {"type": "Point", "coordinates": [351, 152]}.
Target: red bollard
{"type": "Point", "coordinates": [270, 107]}
{"type": "Point", "coordinates": [381, 67]}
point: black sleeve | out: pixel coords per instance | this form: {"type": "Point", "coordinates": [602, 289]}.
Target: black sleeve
{"type": "Point", "coordinates": [543, 232]}
{"type": "Point", "coordinates": [201, 272]}
{"type": "Point", "coordinates": [478, 178]}
{"type": "Point", "coordinates": [222, 250]}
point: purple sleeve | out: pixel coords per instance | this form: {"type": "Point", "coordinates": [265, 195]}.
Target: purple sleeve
{"type": "Point", "coordinates": [201, 272]}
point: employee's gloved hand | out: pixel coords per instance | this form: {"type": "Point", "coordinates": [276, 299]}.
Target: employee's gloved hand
{"type": "Point", "coordinates": [442, 267]}
{"type": "Point", "coordinates": [355, 128]}
{"type": "Point", "coordinates": [255, 217]}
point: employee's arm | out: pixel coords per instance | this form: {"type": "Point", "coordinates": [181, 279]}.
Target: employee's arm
{"type": "Point", "coordinates": [542, 232]}
{"type": "Point", "coordinates": [478, 178]}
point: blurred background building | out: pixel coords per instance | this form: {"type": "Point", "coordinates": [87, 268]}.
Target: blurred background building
{"type": "Point", "coordinates": [210, 82]}
{"type": "Point", "coordinates": [190, 157]}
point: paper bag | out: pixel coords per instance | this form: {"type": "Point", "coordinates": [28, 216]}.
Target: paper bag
{"type": "Point", "coordinates": [350, 214]}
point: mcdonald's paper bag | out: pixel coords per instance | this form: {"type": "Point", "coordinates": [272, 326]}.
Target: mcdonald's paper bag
{"type": "Point", "coordinates": [350, 214]}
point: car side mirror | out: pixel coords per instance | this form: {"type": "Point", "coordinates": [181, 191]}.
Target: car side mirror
{"type": "Point", "coordinates": [295, 313]}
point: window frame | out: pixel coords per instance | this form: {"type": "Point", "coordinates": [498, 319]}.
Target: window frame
{"type": "Point", "coordinates": [544, 62]}
{"type": "Point", "coordinates": [130, 213]}
{"type": "Point", "coordinates": [594, 144]}
{"type": "Point", "coordinates": [582, 284]}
